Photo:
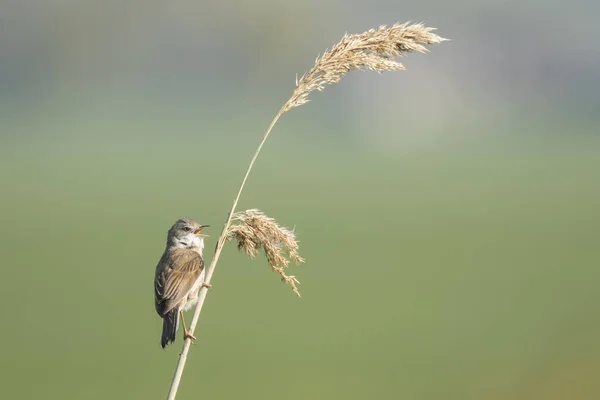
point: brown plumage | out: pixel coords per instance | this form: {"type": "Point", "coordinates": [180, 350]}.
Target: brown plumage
{"type": "Point", "coordinates": [179, 276]}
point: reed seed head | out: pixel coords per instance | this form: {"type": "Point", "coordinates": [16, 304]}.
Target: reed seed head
{"type": "Point", "coordinates": [375, 49]}
{"type": "Point", "coordinates": [253, 230]}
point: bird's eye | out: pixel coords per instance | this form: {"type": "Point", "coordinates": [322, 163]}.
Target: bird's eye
{"type": "Point", "coordinates": [187, 228]}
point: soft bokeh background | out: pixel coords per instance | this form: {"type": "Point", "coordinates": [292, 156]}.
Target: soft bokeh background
{"type": "Point", "coordinates": [449, 214]}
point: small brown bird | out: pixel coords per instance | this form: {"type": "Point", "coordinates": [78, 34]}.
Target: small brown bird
{"type": "Point", "coordinates": [179, 276]}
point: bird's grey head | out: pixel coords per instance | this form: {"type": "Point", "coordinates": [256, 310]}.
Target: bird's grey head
{"type": "Point", "coordinates": [185, 233]}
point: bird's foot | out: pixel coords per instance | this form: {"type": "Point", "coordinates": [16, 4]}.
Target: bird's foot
{"type": "Point", "coordinates": [206, 285]}
{"type": "Point", "coordinates": [188, 335]}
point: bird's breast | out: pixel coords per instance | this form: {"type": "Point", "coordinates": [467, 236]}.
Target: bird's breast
{"type": "Point", "coordinates": [192, 295]}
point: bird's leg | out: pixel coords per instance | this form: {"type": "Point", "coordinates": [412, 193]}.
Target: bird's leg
{"type": "Point", "coordinates": [206, 285]}
{"type": "Point", "coordinates": [186, 333]}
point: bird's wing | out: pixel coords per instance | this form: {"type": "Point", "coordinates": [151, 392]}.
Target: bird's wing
{"type": "Point", "coordinates": [176, 273]}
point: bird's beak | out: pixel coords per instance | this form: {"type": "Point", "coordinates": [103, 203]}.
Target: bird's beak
{"type": "Point", "coordinates": [197, 231]}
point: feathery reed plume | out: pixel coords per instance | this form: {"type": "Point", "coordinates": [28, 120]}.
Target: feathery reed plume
{"type": "Point", "coordinates": [376, 50]}
{"type": "Point", "coordinates": [255, 231]}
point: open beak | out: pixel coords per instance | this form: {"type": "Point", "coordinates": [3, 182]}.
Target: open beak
{"type": "Point", "coordinates": [197, 231]}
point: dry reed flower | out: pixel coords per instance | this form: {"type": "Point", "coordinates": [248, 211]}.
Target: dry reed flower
{"type": "Point", "coordinates": [257, 231]}
{"type": "Point", "coordinates": [375, 49]}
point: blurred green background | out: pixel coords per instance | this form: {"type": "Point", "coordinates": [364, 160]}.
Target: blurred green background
{"type": "Point", "coordinates": [449, 214]}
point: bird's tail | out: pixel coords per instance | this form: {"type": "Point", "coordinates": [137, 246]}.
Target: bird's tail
{"type": "Point", "coordinates": [170, 322]}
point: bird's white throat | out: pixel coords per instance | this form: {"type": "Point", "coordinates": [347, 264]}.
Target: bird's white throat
{"type": "Point", "coordinates": [190, 241]}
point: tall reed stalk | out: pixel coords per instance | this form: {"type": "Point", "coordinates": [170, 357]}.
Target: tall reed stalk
{"type": "Point", "coordinates": [376, 50]}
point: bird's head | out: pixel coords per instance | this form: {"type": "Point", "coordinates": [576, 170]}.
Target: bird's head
{"type": "Point", "coordinates": [186, 233]}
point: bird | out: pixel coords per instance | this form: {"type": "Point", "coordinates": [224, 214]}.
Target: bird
{"type": "Point", "coordinates": [179, 276]}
